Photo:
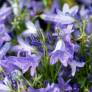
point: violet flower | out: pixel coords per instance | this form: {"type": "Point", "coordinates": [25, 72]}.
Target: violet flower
{"type": "Point", "coordinates": [23, 46]}
{"type": "Point", "coordinates": [58, 18]}
{"type": "Point", "coordinates": [59, 54]}
{"type": "Point", "coordinates": [64, 48]}
{"type": "Point", "coordinates": [62, 17]}
{"type": "Point", "coordinates": [24, 63]}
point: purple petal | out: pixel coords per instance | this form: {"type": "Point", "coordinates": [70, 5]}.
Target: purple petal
{"type": "Point", "coordinates": [24, 63]}
{"type": "Point", "coordinates": [62, 19]}
{"type": "Point", "coordinates": [4, 49]}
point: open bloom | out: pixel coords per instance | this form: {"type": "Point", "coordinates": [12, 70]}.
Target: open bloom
{"type": "Point", "coordinates": [59, 54]}
{"type": "Point", "coordinates": [58, 18]}
{"type": "Point", "coordinates": [23, 63]}
{"type": "Point", "coordinates": [62, 17]}
{"type": "Point", "coordinates": [64, 47]}
{"type": "Point", "coordinates": [23, 46]}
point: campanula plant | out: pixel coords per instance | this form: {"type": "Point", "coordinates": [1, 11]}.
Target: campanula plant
{"type": "Point", "coordinates": [45, 46]}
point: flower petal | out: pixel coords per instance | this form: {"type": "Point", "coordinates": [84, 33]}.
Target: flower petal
{"type": "Point", "coordinates": [74, 10]}
{"type": "Point", "coordinates": [59, 46]}
{"type": "Point", "coordinates": [62, 19]}
{"type": "Point", "coordinates": [65, 8]}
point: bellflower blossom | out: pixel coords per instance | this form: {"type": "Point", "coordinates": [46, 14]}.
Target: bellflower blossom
{"type": "Point", "coordinates": [40, 34]}
{"type": "Point", "coordinates": [59, 54]}
{"type": "Point", "coordinates": [23, 46]}
{"type": "Point", "coordinates": [58, 18]}
{"type": "Point", "coordinates": [64, 50]}
{"type": "Point", "coordinates": [63, 47]}
{"type": "Point", "coordinates": [62, 17]}
{"type": "Point", "coordinates": [24, 63]}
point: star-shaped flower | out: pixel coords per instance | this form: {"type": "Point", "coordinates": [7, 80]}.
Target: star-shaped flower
{"type": "Point", "coordinates": [59, 53]}
{"type": "Point", "coordinates": [64, 47]}
{"type": "Point", "coordinates": [62, 17]}
{"type": "Point", "coordinates": [4, 36]}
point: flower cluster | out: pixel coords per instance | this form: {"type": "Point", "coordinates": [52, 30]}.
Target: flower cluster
{"type": "Point", "coordinates": [45, 48]}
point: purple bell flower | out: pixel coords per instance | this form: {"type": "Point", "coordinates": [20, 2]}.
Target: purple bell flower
{"type": "Point", "coordinates": [59, 54]}
{"type": "Point", "coordinates": [23, 46]}
{"type": "Point", "coordinates": [24, 63]}
{"type": "Point", "coordinates": [62, 17]}
{"type": "Point", "coordinates": [64, 49]}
